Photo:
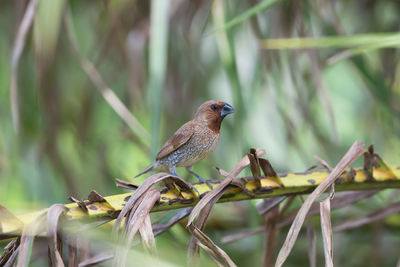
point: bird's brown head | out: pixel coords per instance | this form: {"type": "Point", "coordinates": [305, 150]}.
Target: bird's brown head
{"type": "Point", "coordinates": [212, 113]}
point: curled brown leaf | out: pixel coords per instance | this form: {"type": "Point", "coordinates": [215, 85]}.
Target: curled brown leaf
{"type": "Point", "coordinates": [352, 154]}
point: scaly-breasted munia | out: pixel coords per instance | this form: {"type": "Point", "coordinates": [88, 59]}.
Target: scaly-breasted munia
{"type": "Point", "coordinates": [194, 141]}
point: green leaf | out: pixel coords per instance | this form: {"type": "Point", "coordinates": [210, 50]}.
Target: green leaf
{"type": "Point", "coordinates": [247, 14]}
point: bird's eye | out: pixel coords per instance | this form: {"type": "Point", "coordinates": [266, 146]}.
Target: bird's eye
{"type": "Point", "coordinates": [214, 107]}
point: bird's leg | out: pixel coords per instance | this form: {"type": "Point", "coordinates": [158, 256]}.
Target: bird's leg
{"type": "Point", "coordinates": [193, 190]}
{"type": "Point", "coordinates": [172, 171]}
{"type": "Point", "coordinates": [201, 179]}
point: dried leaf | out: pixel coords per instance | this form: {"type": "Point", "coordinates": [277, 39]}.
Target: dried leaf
{"type": "Point", "coordinates": [232, 174]}
{"type": "Point", "coordinates": [84, 248]}
{"type": "Point", "coordinates": [235, 237]}
{"type": "Point", "coordinates": [28, 233]}
{"type": "Point", "coordinates": [205, 240]}
{"type": "Point", "coordinates": [369, 162]}
{"type": "Point", "coordinates": [204, 207]}
{"type": "Point", "coordinates": [146, 232]}
{"type": "Point", "coordinates": [162, 227]}
{"type": "Point", "coordinates": [270, 236]}
{"type": "Point", "coordinates": [125, 184]}
{"type": "Point", "coordinates": [11, 260]}
{"type": "Point", "coordinates": [343, 200]}
{"type": "Point", "coordinates": [269, 203]}
{"type": "Point", "coordinates": [53, 216]}
{"type": "Point", "coordinates": [18, 48]}
{"type": "Point", "coordinates": [240, 183]}
{"type": "Point", "coordinates": [9, 250]}
{"type": "Point", "coordinates": [269, 172]}
{"type": "Point", "coordinates": [372, 217]}
{"type": "Point", "coordinates": [326, 227]}
{"type": "Point", "coordinates": [95, 197]}
{"type": "Point", "coordinates": [98, 258]}
{"type": "Point", "coordinates": [143, 188]}
{"type": "Point", "coordinates": [254, 166]}
{"type": "Point", "coordinates": [222, 172]}
{"type": "Point", "coordinates": [352, 154]}
{"type": "Point", "coordinates": [323, 163]}
{"type": "Point", "coordinates": [312, 241]}
{"type": "Point", "coordinates": [80, 203]}
{"type": "Point", "coordinates": [193, 248]}
{"type": "Point", "coordinates": [72, 253]}
{"type": "Point", "coordinates": [135, 220]}
{"type": "Point", "coordinates": [212, 255]}
{"type": "Point", "coordinates": [108, 94]}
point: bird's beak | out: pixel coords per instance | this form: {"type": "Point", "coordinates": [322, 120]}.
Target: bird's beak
{"type": "Point", "coordinates": [227, 109]}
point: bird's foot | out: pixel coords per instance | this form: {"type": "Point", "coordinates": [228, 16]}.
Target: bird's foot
{"type": "Point", "coordinates": [202, 180]}
{"type": "Point", "coordinates": [193, 190]}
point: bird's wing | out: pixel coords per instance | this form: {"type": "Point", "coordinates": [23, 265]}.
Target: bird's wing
{"type": "Point", "coordinates": [180, 137]}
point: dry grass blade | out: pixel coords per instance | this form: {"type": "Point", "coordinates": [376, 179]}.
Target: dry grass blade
{"type": "Point", "coordinates": [322, 91]}
{"type": "Point", "coordinates": [235, 237]}
{"type": "Point", "coordinates": [53, 216]}
{"type": "Point", "coordinates": [222, 172]}
{"type": "Point", "coordinates": [323, 163]}
{"type": "Point", "coordinates": [27, 236]}
{"type": "Point", "coordinates": [269, 203]}
{"type": "Point", "coordinates": [352, 154]}
{"type": "Point", "coordinates": [372, 217]}
{"type": "Point", "coordinates": [125, 184]}
{"type": "Point", "coordinates": [208, 197]}
{"type": "Point", "coordinates": [212, 255]}
{"type": "Point", "coordinates": [143, 188]}
{"type": "Point", "coordinates": [11, 260]}
{"type": "Point", "coordinates": [343, 200]}
{"type": "Point", "coordinates": [9, 250]}
{"type": "Point", "coordinates": [254, 166]}
{"type": "Point", "coordinates": [135, 221]}
{"type": "Point", "coordinates": [112, 99]}
{"type": "Point", "coordinates": [206, 203]}
{"type": "Point", "coordinates": [101, 257]}
{"type": "Point", "coordinates": [72, 252]}
{"type": "Point", "coordinates": [205, 240]}
{"type": "Point", "coordinates": [162, 227]}
{"type": "Point", "coordinates": [312, 240]}
{"type": "Point", "coordinates": [193, 249]}
{"type": "Point", "coordinates": [326, 227]}
{"type": "Point", "coordinates": [94, 196]}
{"type": "Point", "coordinates": [16, 55]}
{"type": "Point", "coordinates": [80, 203]}
{"type": "Point", "coordinates": [146, 232]}
{"type": "Point", "coordinates": [270, 236]}
{"type": "Point", "coordinates": [269, 172]}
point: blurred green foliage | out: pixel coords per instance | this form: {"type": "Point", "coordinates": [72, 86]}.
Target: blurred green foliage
{"type": "Point", "coordinates": [294, 103]}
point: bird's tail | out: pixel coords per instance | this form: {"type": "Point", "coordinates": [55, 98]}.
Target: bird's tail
{"type": "Point", "coordinates": [147, 169]}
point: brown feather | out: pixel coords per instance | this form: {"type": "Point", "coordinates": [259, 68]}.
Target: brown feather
{"type": "Point", "coordinates": [180, 137]}
{"type": "Point", "coordinates": [210, 117]}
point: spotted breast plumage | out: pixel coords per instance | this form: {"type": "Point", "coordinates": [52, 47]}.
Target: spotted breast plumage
{"type": "Point", "coordinates": [193, 141]}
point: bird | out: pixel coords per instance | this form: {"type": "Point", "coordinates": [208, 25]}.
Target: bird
{"type": "Point", "coordinates": [193, 141]}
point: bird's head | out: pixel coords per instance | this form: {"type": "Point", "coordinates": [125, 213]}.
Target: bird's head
{"type": "Point", "coordinates": [212, 113]}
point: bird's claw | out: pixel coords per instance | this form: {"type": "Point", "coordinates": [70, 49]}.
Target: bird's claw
{"type": "Point", "coordinates": [193, 190]}
{"type": "Point", "coordinates": [202, 180]}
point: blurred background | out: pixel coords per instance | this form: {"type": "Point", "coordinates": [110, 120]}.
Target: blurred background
{"type": "Point", "coordinates": [102, 84]}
